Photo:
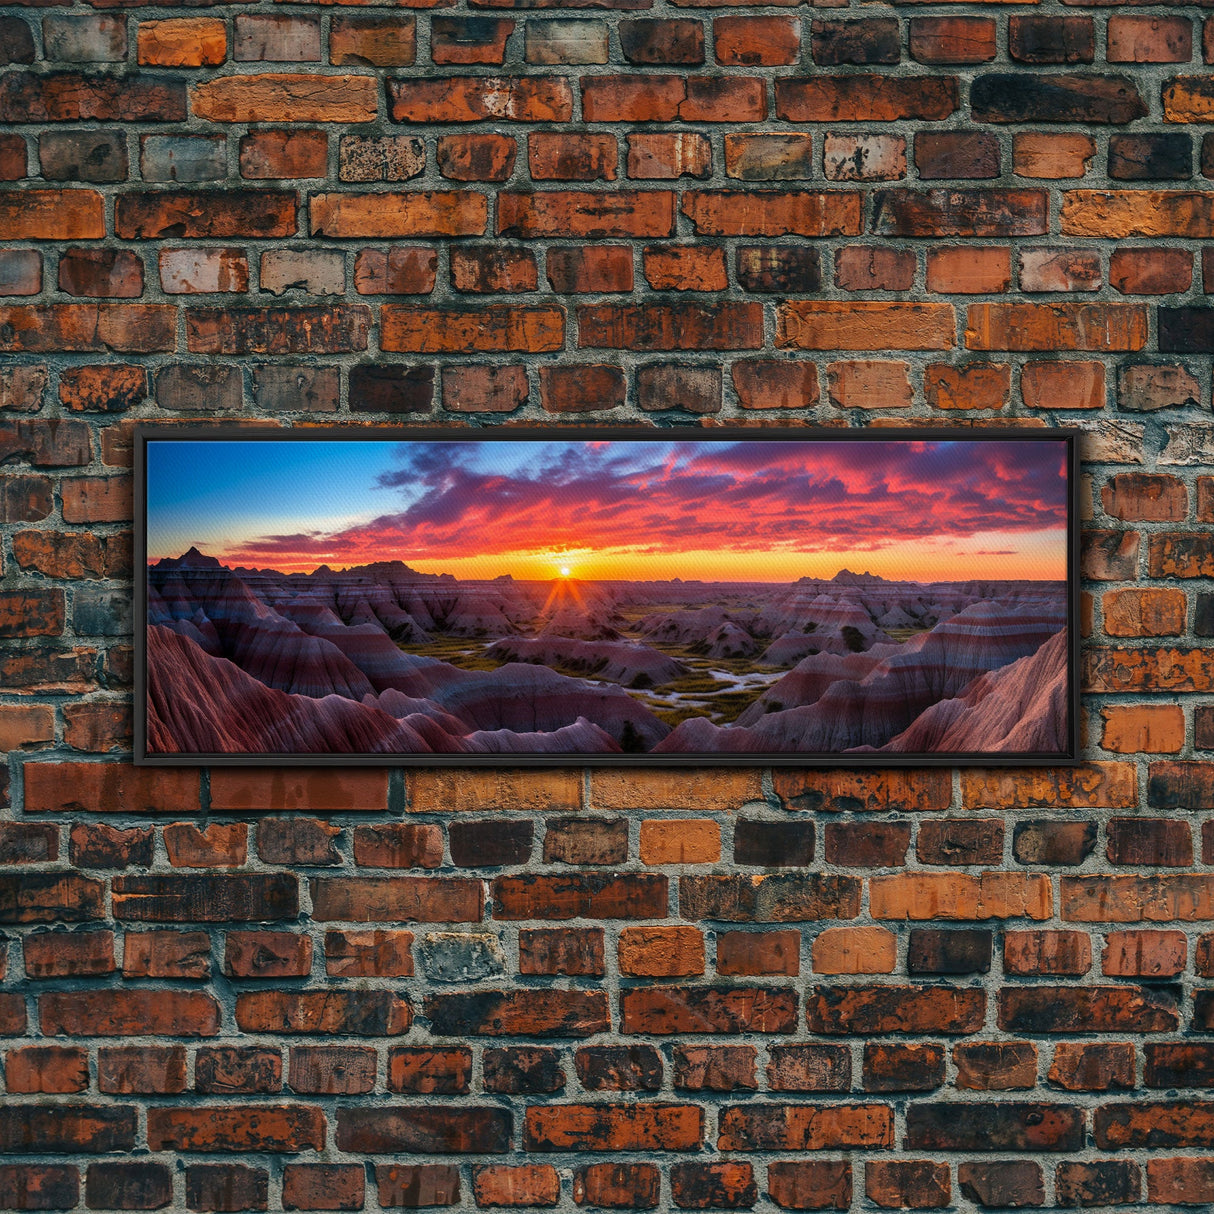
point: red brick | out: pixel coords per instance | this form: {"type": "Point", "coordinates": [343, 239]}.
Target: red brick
{"type": "Point", "coordinates": [727, 1185]}
{"type": "Point", "coordinates": [366, 954]}
{"type": "Point", "coordinates": [756, 953]}
{"type": "Point", "coordinates": [1151, 271]}
{"type": "Point", "coordinates": [430, 1071]}
{"type": "Point", "coordinates": [284, 154]}
{"type": "Point", "coordinates": [476, 157]}
{"type": "Point", "coordinates": [899, 1184]}
{"type": "Point", "coordinates": [756, 41]}
{"type": "Point", "coordinates": [952, 39]}
{"type": "Point", "coordinates": [1137, 954]}
{"type": "Point", "coordinates": [575, 951]}
{"type": "Point", "coordinates": [678, 326]}
{"type": "Point", "coordinates": [51, 215]}
{"type": "Point", "coordinates": [101, 273]}
{"type": "Point", "coordinates": [318, 1186]}
{"type": "Point", "coordinates": [772, 213]}
{"type": "Point", "coordinates": [1143, 728]}
{"type": "Point", "coordinates": [248, 1127]}
{"type": "Point", "coordinates": [269, 789]}
{"type": "Point", "coordinates": [503, 1185]}
{"type": "Point", "coordinates": [657, 42]}
{"type": "Point", "coordinates": [956, 154]}
{"type": "Point", "coordinates": [590, 270]}
{"type": "Point", "coordinates": [864, 97]}
{"type": "Point", "coordinates": [667, 156]}
{"type": "Point", "coordinates": [503, 327]}
{"type": "Point", "coordinates": [69, 954]}
{"type": "Point", "coordinates": [479, 99]}
{"type": "Point", "coordinates": [1179, 1181]}
{"type": "Point", "coordinates": [894, 1009]}
{"type": "Point", "coordinates": [810, 1185]}
{"type": "Point", "coordinates": [973, 386]}
{"type": "Point", "coordinates": [228, 1069]}
{"type": "Point", "coordinates": [965, 270]}
{"type": "Point", "coordinates": [654, 98]}
{"type": "Point", "coordinates": [414, 1185]}
{"type": "Point", "coordinates": [381, 42]}
{"type": "Point", "coordinates": [27, 842]}
{"type": "Point", "coordinates": [49, 1069]}
{"type": "Point", "coordinates": [141, 1069]}
{"type": "Point", "coordinates": [775, 385]}
{"type": "Point", "coordinates": [128, 1013]}
{"type": "Point", "coordinates": [109, 788]}
{"type": "Point", "coordinates": [1134, 613]}
{"type": "Point", "coordinates": [332, 1070]}
{"type": "Point", "coordinates": [204, 214]}
{"type": "Point", "coordinates": [685, 268]}
{"type": "Point", "coordinates": [375, 1013]}
{"type": "Point", "coordinates": [516, 1013]}
{"type": "Point", "coordinates": [617, 1185]}
{"type": "Point", "coordinates": [469, 40]}
{"type": "Point", "coordinates": [182, 42]}
{"type": "Point", "coordinates": [613, 1127]}
{"type": "Point", "coordinates": [869, 384]}
{"type": "Point", "coordinates": [621, 213]}
{"type": "Point", "coordinates": [557, 156]}
{"type": "Point", "coordinates": [266, 954]}
{"type": "Point", "coordinates": [661, 952]}
{"type": "Point", "coordinates": [809, 1068]}
{"type": "Point", "coordinates": [104, 327]}
{"type": "Point", "coordinates": [874, 268]}
{"type": "Point", "coordinates": [226, 1187]}
{"type": "Point", "coordinates": [1149, 39]}
{"type": "Point", "coordinates": [493, 268]}
{"type": "Point", "coordinates": [167, 954]}
{"type": "Point", "coordinates": [581, 388]}
{"type": "Point", "coordinates": [804, 1127]}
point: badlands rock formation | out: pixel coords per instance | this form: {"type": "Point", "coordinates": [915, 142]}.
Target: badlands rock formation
{"type": "Point", "coordinates": [382, 659]}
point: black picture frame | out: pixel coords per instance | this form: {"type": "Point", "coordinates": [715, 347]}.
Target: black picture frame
{"type": "Point", "coordinates": [145, 432]}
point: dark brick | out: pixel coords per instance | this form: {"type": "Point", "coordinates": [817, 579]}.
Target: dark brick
{"type": "Point", "coordinates": [619, 1068]}
{"type": "Point", "coordinates": [391, 388]}
{"type": "Point", "coordinates": [130, 1185]}
{"type": "Point", "coordinates": [520, 1070]}
{"type": "Point", "coordinates": [959, 951]}
{"type": "Point", "coordinates": [226, 1187]}
{"type": "Point", "coordinates": [1150, 157]}
{"type": "Point", "coordinates": [489, 843]}
{"type": "Point", "coordinates": [1006, 97]}
{"type": "Point", "coordinates": [871, 41]}
{"type": "Point", "coordinates": [779, 269]}
{"type": "Point", "coordinates": [1051, 39]}
{"type": "Point", "coordinates": [903, 1068]}
{"type": "Point", "coordinates": [1053, 842]}
{"type": "Point", "coordinates": [1006, 1184]}
{"type": "Point", "coordinates": [773, 844]}
{"type": "Point", "coordinates": [1100, 1182]}
{"type": "Point", "coordinates": [1186, 330]}
{"type": "Point", "coordinates": [1003, 1126]}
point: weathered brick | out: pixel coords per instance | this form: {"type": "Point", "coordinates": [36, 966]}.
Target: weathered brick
{"type": "Point", "coordinates": [571, 41]}
{"type": "Point", "coordinates": [74, 97]}
{"type": "Point", "coordinates": [613, 1127]}
{"type": "Point", "coordinates": [1097, 1067]}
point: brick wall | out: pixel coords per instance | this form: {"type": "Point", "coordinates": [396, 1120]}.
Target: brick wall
{"type": "Point", "coordinates": [727, 989]}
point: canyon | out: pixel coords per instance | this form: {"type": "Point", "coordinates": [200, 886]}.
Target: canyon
{"type": "Point", "coordinates": [381, 659]}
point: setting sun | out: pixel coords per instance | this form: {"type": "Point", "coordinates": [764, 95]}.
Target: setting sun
{"type": "Point", "coordinates": [565, 571]}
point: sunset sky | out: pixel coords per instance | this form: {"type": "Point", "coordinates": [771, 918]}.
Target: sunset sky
{"type": "Point", "coordinates": [690, 508]}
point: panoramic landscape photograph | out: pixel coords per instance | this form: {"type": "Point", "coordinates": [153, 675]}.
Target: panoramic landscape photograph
{"type": "Point", "coordinates": [324, 597]}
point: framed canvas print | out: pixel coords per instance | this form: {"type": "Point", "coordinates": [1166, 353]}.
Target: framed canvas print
{"type": "Point", "coordinates": [543, 596]}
